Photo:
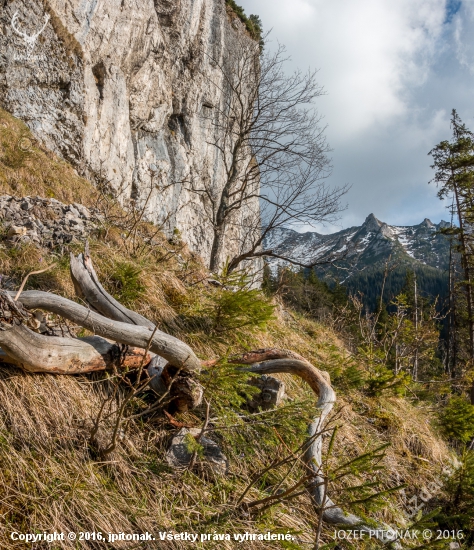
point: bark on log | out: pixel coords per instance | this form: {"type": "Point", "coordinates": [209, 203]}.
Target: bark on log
{"type": "Point", "coordinates": [273, 361]}
{"type": "Point", "coordinates": [88, 287]}
{"type": "Point", "coordinates": [50, 354]}
{"type": "Point", "coordinates": [176, 352]}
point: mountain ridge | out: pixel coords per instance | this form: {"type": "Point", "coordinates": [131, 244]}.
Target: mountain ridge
{"type": "Point", "coordinates": [366, 243]}
{"type": "Point", "coordinates": [357, 257]}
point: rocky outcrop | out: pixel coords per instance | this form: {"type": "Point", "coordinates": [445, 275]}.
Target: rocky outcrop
{"type": "Point", "coordinates": [125, 91]}
{"type": "Point", "coordinates": [45, 222]}
{"type": "Point", "coordinates": [180, 453]}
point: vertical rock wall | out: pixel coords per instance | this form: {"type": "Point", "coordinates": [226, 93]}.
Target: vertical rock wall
{"type": "Point", "coordinates": [118, 88]}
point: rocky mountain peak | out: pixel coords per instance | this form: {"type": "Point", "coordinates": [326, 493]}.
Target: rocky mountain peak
{"type": "Point", "coordinates": [427, 223]}
{"type": "Point", "coordinates": [372, 223]}
{"type": "Point", "coordinates": [373, 241]}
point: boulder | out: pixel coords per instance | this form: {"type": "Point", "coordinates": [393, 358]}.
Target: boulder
{"type": "Point", "coordinates": [179, 454]}
{"type": "Point", "coordinates": [272, 393]}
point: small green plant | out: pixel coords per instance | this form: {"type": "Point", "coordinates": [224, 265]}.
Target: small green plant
{"type": "Point", "coordinates": [346, 373]}
{"type": "Point", "coordinates": [380, 378]}
{"type": "Point", "coordinates": [193, 446]}
{"type": "Point", "coordinates": [457, 419]}
{"type": "Point", "coordinates": [126, 284]}
{"type": "Point", "coordinates": [235, 306]}
{"type": "Point", "coordinates": [227, 386]}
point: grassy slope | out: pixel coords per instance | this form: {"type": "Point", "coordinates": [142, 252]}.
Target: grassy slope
{"type": "Point", "coordinates": [49, 476]}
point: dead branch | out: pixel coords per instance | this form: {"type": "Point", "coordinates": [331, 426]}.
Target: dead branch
{"type": "Point", "coordinates": [50, 354]}
{"type": "Point", "coordinates": [270, 361]}
{"type": "Point", "coordinates": [25, 280]}
{"type": "Point", "coordinates": [175, 351]}
{"type": "Point", "coordinates": [88, 287]}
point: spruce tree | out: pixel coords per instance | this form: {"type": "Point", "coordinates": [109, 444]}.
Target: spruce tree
{"type": "Point", "coordinates": [454, 164]}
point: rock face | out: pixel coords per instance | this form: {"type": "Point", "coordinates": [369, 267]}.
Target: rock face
{"type": "Point", "coordinates": [125, 91]}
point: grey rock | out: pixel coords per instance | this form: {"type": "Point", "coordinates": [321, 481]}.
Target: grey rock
{"type": "Point", "coordinates": [74, 212]}
{"type": "Point", "coordinates": [82, 210]}
{"type": "Point", "coordinates": [272, 393]}
{"type": "Point", "coordinates": [179, 456]}
{"type": "Point", "coordinates": [27, 227]}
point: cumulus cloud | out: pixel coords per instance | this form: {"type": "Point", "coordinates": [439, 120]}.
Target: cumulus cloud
{"type": "Point", "coordinates": [392, 70]}
{"type": "Point", "coordinates": [464, 28]}
{"type": "Point", "coordinates": [368, 51]}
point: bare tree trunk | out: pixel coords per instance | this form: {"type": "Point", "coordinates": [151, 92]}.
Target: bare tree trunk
{"type": "Point", "coordinates": [467, 273]}
{"type": "Point", "coordinates": [451, 339]}
{"type": "Point", "coordinates": [217, 249]}
{"type": "Point", "coordinates": [415, 360]}
{"type": "Point", "coordinates": [467, 282]}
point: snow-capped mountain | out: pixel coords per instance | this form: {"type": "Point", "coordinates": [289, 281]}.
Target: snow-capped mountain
{"type": "Point", "coordinates": [369, 244]}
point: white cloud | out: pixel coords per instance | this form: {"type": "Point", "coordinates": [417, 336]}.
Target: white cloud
{"type": "Point", "coordinates": [392, 70]}
{"type": "Point", "coordinates": [368, 51]}
{"type": "Point", "coordinates": [464, 30]}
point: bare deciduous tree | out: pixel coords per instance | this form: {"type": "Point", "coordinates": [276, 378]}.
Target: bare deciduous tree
{"type": "Point", "coordinates": [274, 154]}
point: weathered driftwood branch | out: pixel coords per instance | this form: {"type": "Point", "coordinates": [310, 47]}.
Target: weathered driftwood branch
{"type": "Point", "coordinates": [88, 287]}
{"type": "Point", "coordinates": [271, 361]}
{"type": "Point", "coordinates": [176, 352]}
{"type": "Point", "coordinates": [49, 354]}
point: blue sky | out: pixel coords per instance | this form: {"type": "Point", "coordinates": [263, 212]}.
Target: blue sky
{"type": "Point", "coordinates": [392, 72]}
{"type": "Point", "coordinates": [452, 8]}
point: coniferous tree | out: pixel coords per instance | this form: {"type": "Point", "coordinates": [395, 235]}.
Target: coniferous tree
{"type": "Point", "coordinates": [454, 164]}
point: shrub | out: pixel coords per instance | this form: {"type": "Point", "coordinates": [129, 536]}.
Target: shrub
{"type": "Point", "coordinates": [235, 305]}
{"type": "Point", "coordinates": [457, 419]}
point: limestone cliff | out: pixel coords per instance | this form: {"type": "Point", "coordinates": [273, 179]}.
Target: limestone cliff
{"type": "Point", "coordinates": [118, 88]}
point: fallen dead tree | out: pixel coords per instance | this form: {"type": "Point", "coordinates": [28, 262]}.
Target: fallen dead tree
{"type": "Point", "coordinates": [55, 355]}
{"type": "Point", "coordinates": [123, 339]}
{"type": "Point", "coordinates": [88, 287]}
{"type": "Point", "coordinates": [175, 351]}
{"type": "Point", "coordinates": [272, 361]}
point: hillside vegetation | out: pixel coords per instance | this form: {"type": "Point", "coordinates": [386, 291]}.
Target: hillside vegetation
{"type": "Point", "coordinates": [50, 476]}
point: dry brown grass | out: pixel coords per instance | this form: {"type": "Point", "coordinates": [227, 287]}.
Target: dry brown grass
{"type": "Point", "coordinates": [50, 478]}
{"type": "Point", "coordinates": [27, 168]}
